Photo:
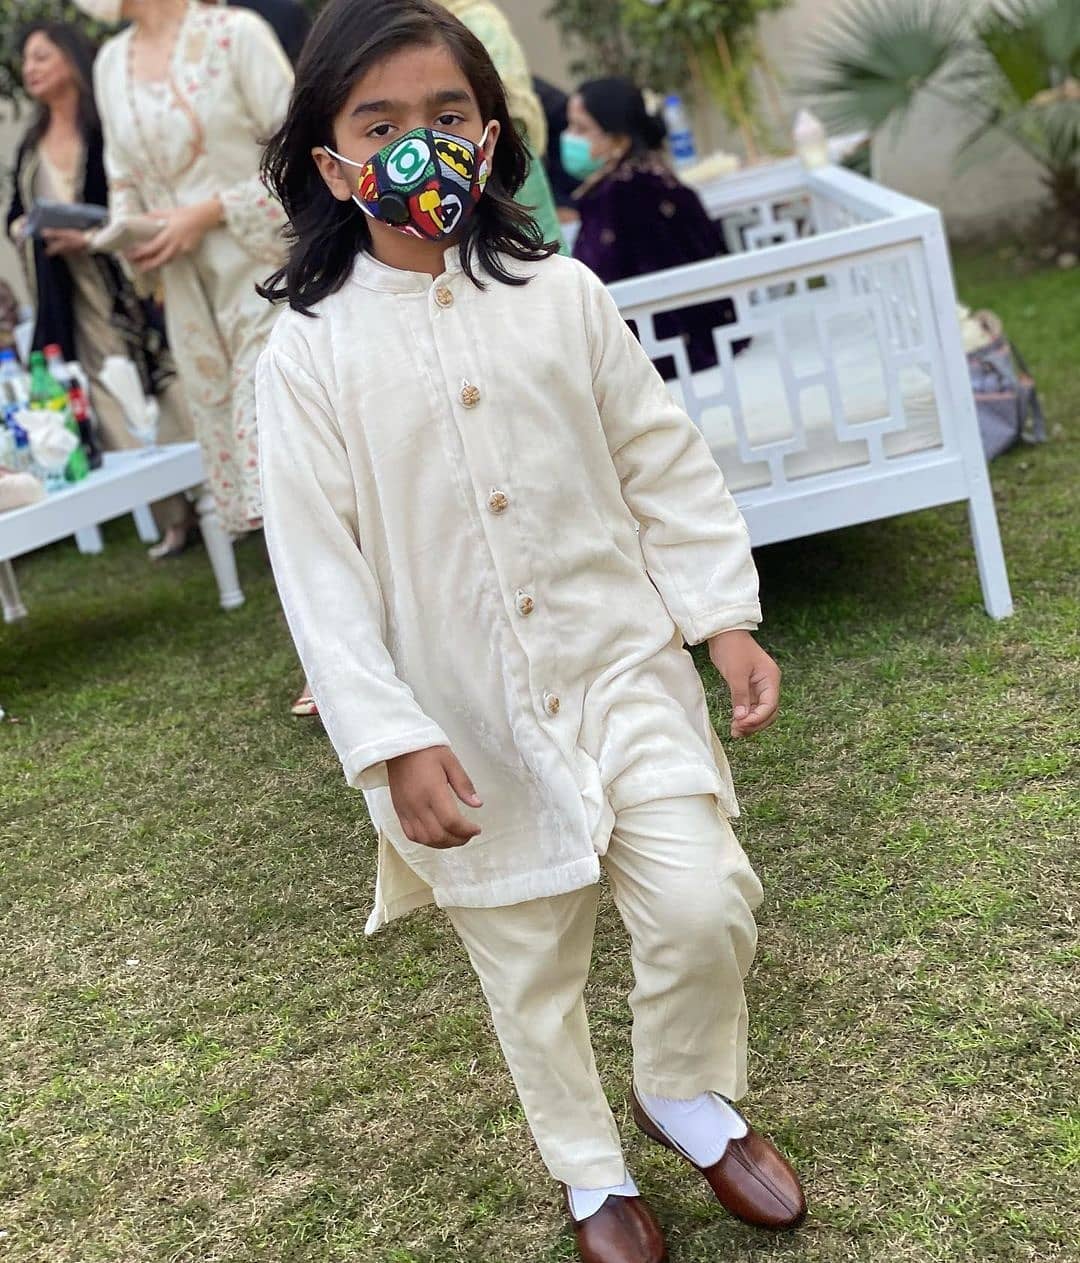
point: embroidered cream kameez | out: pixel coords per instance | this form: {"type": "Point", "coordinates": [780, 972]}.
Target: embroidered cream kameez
{"type": "Point", "coordinates": [197, 134]}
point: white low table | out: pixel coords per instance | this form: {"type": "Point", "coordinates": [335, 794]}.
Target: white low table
{"type": "Point", "coordinates": [126, 483]}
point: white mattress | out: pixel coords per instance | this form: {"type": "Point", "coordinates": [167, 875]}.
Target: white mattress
{"type": "Point", "coordinates": [861, 378]}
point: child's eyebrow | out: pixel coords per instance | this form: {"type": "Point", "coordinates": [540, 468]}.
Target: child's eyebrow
{"type": "Point", "coordinates": [377, 107]}
{"type": "Point", "coordinates": [448, 96]}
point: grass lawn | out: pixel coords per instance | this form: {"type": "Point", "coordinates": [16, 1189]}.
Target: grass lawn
{"type": "Point", "coordinates": [202, 1058]}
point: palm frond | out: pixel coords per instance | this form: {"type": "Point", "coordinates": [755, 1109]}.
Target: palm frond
{"type": "Point", "coordinates": [873, 59]}
{"type": "Point", "coordinates": [1026, 33]}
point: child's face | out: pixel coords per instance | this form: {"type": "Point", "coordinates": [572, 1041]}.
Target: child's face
{"type": "Point", "coordinates": [417, 87]}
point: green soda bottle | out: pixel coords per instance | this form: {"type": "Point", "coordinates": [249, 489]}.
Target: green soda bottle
{"type": "Point", "coordinates": [47, 393]}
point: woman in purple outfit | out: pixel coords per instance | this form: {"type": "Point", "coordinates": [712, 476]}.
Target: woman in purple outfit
{"type": "Point", "coordinates": [636, 217]}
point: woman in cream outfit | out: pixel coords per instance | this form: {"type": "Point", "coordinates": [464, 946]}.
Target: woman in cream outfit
{"type": "Point", "coordinates": [187, 95]}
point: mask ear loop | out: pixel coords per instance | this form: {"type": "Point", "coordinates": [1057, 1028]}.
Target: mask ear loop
{"type": "Point", "coordinates": [350, 163]}
{"type": "Point", "coordinates": [340, 157]}
{"type": "Point", "coordinates": [483, 160]}
{"type": "Point", "coordinates": [484, 157]}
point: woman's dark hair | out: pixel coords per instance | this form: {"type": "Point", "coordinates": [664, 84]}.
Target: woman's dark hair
{"type": "Point", "coordinates": [77, 47]}
{"type": "Point", "coordinates": [619, 107]}
{"type": "Point", "coordinates": [349, 38]}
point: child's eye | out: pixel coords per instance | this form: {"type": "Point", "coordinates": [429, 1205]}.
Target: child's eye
{"type": "Point", "coordinates": [449, 120]}
{"type": "Point", "coordinates": [381, 130]}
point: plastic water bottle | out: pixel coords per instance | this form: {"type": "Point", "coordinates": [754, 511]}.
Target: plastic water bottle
{"type": "Point", "coordinates": [14, 394]}
{"type": "Point", "coordinates": [14, 445]}
{"type": "Point", "coordinates": [680, 134]}
{"type": "Point", "coordinates": [20, 441]}
{"type": "Point", "coordinates": [14, 383]}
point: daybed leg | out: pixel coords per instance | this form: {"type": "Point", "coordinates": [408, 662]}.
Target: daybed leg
{"type": "Point", "coordinates": [982, 515]}
{"type": "Point", "coordinates": [89, 542]}
{"type": "Point", "coordinates": [9, 594]}
{"type": "Point", "coordinates": [145, 525]}
{"type": "Point", "coordinates": [219, 549]}
{"type": "Point", "coordinates": [989, 555]}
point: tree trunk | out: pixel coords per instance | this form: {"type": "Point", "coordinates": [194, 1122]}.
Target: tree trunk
{"type": "Point", "coordinates": [1064, 185]}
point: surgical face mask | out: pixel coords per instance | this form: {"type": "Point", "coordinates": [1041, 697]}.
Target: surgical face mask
{"type": "Point", "coordinates": [107, 11]}
{"type": "Point", "coordinates": [425, 184]}
{"type": "Point", "coordinates": [575, 153]}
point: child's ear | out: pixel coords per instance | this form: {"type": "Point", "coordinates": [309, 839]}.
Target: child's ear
{"type": "Point", "coordinates": [339, 184]}
{"type": "Point", "coordinates": [494, 128]}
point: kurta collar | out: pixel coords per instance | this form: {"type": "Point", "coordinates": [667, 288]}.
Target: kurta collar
{"type": "Point", "coordinates": [372, 274]}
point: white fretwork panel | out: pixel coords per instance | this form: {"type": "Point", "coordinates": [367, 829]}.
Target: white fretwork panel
{"type": "Point", "coordinates": [769, 222]}
{"type": "Point", "coordinates": [843, 373]}
{"type": "Point", "coordinates": [756, 221]}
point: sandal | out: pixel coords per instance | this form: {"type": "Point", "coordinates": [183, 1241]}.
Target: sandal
{"type": "Point", "coordinates": [305, 706]}
{"type": "Point", "coordinates": [162, 551]}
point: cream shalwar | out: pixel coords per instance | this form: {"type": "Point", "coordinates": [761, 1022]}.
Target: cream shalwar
{"type": "Point", "coordinates": [197, 134]}
{"type": "Point", "coordinates": [492, 529]}
{"type": "Point", "coordinates": [686, 894]}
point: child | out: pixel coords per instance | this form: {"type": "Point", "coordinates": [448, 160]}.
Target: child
{"type": "Point", "coordinates": [493, 531]}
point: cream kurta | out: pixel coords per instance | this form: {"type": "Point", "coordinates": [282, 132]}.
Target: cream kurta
{"type": "Point", "coordinates": [195, 135]}
{"type": "Point", "coordinates": [453, 479]}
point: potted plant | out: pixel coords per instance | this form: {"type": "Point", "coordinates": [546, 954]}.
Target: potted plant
{"type": "Point", "coordinates": [708, 49]}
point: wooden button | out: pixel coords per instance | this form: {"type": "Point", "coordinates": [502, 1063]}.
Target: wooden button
{"type": "Point", "coordinates": [551, 704]}
{"type": "Point", "coordinates": [525, 604]}
{"type": "Point", "coordinates": [444, 297]}
{"type": "Point", "coordinates": [498, 502]}
{"type": "Point", "coordinates": [470, 395]}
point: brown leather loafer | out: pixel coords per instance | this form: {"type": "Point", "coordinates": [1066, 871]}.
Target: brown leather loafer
{"type": "Point", "coordinates": [623, 1230]}
{"type": "Point", "coordinates": [752, 1181]}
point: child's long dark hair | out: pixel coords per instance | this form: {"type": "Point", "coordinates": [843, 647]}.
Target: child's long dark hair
{"type": "Point", "coordinates": [325, 235]}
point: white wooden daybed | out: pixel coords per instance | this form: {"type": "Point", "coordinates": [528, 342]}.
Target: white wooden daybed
{"type": "Point", "coordinates": [853, 402]}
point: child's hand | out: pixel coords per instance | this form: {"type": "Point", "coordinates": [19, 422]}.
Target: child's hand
{"type": "Point", "coordinates": [752, 677]}
{"type": "Point", "coordinates": [422, 788]}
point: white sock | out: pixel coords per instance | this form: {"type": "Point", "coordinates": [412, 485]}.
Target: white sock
{"type": "Point", "coordinates": [587, 1201]}
{"type": "Point", "coordinates": [701, 1126]}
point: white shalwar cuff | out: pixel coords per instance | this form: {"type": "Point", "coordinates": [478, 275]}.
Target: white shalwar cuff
{"type": "Point", "coordinates": [585, 1202]}
{"type": "Point", "coordinates": [701, 1127]}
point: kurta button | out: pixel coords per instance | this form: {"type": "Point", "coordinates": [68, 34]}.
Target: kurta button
{"type": "Point", "coordinates": [470, 395]}
{"type": "Point", "coordinates": [498, 502]}
{"type": "Point", "coordinates": [551, 704]}
{"type": "Point", "coordinates": [444, 297]}
{"type": "Point", "coordinates": [525, 604]}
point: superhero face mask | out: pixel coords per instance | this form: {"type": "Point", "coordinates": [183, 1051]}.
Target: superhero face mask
{"type": "Point", "coordinates": [425, 184]}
